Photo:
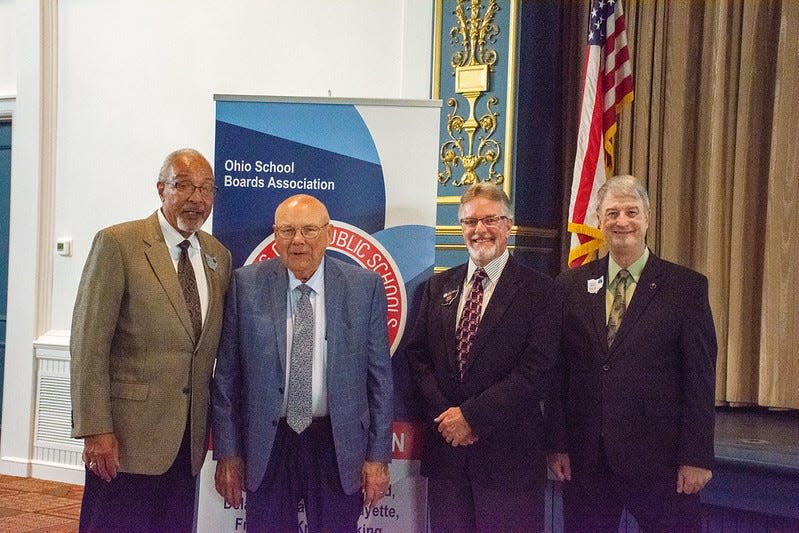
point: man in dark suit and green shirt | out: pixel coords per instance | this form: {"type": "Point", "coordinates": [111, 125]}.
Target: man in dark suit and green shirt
{"type": "Point", "coordinates": [633, 423]}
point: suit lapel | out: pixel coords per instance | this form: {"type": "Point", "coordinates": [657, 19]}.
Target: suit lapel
{"type": "Point", "coordinates": [644, 291]}
{"type": "Point", "coordinates": [450, 298]}
{"type": "Point", "coordinates": [212, 276]}
{"type": "Point", "coordinates": [161, 262]}
{"type": "Point", "coordinates": [598, 269]}
{"type": "Point", "coordinates": [501, 299]}
{"type": "Point", "coordinates": [275, 289]}
{"type": "Point", "coordinates": [334, 303]}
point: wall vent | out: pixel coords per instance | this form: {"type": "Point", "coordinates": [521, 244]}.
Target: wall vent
{"type": "Point", "coordinates": [53, 414]}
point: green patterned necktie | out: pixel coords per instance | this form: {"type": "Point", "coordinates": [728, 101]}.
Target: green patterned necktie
{"type": "Point", "coordinates": [619, 304]}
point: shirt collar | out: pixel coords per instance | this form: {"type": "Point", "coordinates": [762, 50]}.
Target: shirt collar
{"type": "Point", "coordinates": [173, 236]}
{"type": "Point", "coordinates": [493, 268]}
{"type": "Point", "coordinates": [635, 269]}
{"type": "Point", "coordinates": [315, 282]}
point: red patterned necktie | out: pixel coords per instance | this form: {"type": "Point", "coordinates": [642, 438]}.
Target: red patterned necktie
{"type": "Point", "coordinates": [470, 319]}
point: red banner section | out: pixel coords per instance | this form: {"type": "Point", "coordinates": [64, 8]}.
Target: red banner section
{"type": "Point", "coordinates": [406, 441]}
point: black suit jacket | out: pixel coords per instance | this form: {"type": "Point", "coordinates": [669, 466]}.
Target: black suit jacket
{"type": "Point", "coordinates": [507, 374]}
{"type": "Point", "coordinates": [650, 396]}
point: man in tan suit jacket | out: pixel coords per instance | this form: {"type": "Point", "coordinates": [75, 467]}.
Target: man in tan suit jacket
{"type": "Point", "coordinates": [143, 345]}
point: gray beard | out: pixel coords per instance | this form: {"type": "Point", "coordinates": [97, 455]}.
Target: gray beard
{"type": "Point", "coordinates": [187, 227]}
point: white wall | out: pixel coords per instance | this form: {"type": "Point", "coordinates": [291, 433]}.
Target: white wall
{"type": "Point", "coordinates": [136, 80]}
{"type": "Point", "coordinates": [141, 82]}
{"type": "Point", "coordinates": [8, 35]}
{"type": "Point", "coordinates": [21, 326]}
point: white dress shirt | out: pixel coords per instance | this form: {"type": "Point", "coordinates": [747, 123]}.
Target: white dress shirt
{"type": "Point", "coordinates": [493, 271]}
{"type": "Point", "coordinates": [319, 372]}
{"type": "Point", "coordinates": [173, 238]}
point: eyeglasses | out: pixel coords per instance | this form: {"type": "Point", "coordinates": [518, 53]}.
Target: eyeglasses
{"type": "Point", "coordinates": [491, 221]}
{"type": "Point", "coordinates": [187, 188]}
{"type": "Point", "coordinates": [309, 232]}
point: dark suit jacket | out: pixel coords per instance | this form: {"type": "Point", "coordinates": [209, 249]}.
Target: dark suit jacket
{"type": "Point", "coordinates": [651, 395]}
{"type": "Point", "coordinates": [136, 369]}
{"type": "Point", "coordinates": [506, 377]}
{"type": "Point", "coordinates": [251, 368]}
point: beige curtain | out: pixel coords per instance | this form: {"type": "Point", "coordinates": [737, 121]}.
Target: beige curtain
{"type": "Point", "coordinates": [712, 132]}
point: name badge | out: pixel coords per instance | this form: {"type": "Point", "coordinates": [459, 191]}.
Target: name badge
{"type": "Point", "coordinates": [595, 284]}
{"type": "Point", "coordinates": [449, 297]}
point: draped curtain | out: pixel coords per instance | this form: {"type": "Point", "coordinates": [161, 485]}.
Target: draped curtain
{"type": "Point", "coordinates": [711, 133]}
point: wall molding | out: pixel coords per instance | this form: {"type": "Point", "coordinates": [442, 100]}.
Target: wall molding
{"type": "Point", "coordinates": [8, 105]}
{"type": "Point", "coordinates": [47, 164]}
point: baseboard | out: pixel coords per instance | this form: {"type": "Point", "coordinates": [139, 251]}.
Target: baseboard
{"type": "Point", "coordinates": [14, 466]}
{"type": "Point", "coordinates": [56, 472]}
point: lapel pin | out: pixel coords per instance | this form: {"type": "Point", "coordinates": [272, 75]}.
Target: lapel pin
{"type": "Point", "coordinates": [595, 284]}
{"type": "Point", "coordinates": [210, 260]}
{"type": "Point", "coordinates": [653, 286]}
{"type": "Point", "coordinates": [449, 296]}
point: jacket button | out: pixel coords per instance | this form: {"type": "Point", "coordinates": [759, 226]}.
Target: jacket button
{"type": "Point", "coordinates": [186, 390]}
{"type": "Point", "coordinates": [605, 367]}
{"type": "Point", "coordinates": [274, 422]}
{"type": "Point", "coordinates": [280, 390]}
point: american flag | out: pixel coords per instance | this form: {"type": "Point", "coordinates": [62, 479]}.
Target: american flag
{"type": "Point", "coordinates": [607, 87]}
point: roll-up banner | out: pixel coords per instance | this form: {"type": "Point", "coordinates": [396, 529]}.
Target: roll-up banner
{"type": "Point", "coordinates": [373, 163]}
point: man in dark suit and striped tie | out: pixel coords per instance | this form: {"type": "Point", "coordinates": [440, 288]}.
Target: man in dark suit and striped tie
{"type": "Point", "coordinates": [482, 352]}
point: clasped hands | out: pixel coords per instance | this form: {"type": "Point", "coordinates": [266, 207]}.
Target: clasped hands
{"type": "Point", "coordinates": [454, 427]}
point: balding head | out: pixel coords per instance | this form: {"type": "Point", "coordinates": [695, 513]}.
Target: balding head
{"type": "Point", "coordinates": [302, 233]}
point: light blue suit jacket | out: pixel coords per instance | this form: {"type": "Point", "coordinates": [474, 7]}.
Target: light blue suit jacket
{"type": "Point", "coordinates": [250, 371]}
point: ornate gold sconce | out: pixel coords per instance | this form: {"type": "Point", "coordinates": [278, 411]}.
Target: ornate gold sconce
{"type": "Point", "coordinates": [471, 67]}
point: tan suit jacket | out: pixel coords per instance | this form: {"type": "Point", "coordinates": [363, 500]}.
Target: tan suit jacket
{"type": "Point", "coordinates": [135, 368]}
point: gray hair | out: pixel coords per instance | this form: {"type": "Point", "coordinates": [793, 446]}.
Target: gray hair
{"type": "Point", "coordinates": [624, 185]}
{"type": "Point", "coordinates": [490, 191]}
{"type": "Point", "coordinates": [166, 169]}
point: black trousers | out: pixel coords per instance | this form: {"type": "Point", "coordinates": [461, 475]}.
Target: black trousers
{"type": "Point", "coordinates": [593, 503]}
{"type": "Point", "coordinates": [462, 504]}
{"type": "Point", "coordinates": [137, 503]}
{"type": "Point", "coordinates": [303, 467]}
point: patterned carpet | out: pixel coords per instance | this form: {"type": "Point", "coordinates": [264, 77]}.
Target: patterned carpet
{"type": "Point", "coordinates": [35, 505]}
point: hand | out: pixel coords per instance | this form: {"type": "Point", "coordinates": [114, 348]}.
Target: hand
{"type": "Point", "coordinates": [374, 482]}
{"type": "Point", "coordinates": [560, 466]}
{"type": "Point", "coordinates": [101, 455]}
{"type": "Point", "coordinates": [229, 480]}
{"type": "Point", "coordinates": [692, 479]}
{"type": "Point", "coordinates": [454, 427]}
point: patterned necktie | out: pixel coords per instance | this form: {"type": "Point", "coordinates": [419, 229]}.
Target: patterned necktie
{"type": "Point", "coordinates": [189, 285]}
{"type": "Point", "coordinates": [298, 408]}
{"type": "Point", "coordinates": [470, 319]}
{"type": "Point", "coordinates": [619, 304]}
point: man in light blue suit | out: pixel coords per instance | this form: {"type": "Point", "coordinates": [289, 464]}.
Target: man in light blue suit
{"type": "Point", "coordinates": [302, 392]}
